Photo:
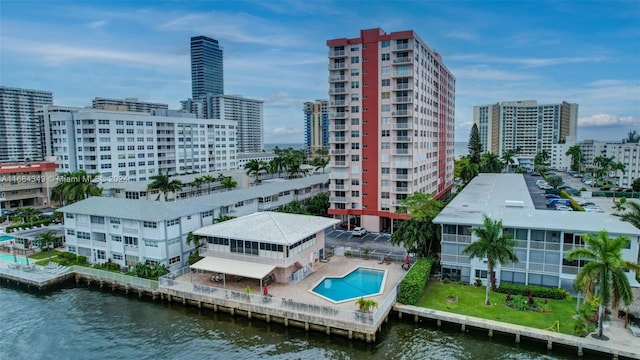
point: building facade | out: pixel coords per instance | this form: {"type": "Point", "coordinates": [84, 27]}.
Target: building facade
{"type": "Point", "coordinates": [629, 155]}
{"type": "Point", "coordinates": [524, 125]}
{"type": "Point", "coordinates": [21, 134]}
{"type": "Point", "coordinates": [316, 125]}
{"type": "Point", "coordinates": [207, 75]}
{"type": "Point", "coordinates": [127, 104]}
{"type": "Point", "coordinates": [391, 102]}
{"type": "Point", "coordinates": [247, 114]}
{"type": "Point", "coordinates": [543, 237]}
{"type": "Point", "coordinates": [134, 146]}
{"type": "Point", "coordinates": [129, 231]}
{"type": "Point", "coordinates": [27, 184]}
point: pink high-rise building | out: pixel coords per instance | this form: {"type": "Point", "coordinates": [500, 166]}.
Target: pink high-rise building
{"type": "Point", "coordinates": [392, 109]}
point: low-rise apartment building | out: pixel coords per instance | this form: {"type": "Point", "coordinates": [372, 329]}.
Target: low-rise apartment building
{"type": "Point", "coordinates": [128, 231]}
{"type": "Point", "coordinates": [27, 184]}
{"type": "Point", "coordinates": [543, 237]}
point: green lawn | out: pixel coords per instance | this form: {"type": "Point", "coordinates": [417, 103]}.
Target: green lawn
{"type": "Point", "coordinates": [471, 303]}
{"type": "Point", "coordinates": [45, 255]}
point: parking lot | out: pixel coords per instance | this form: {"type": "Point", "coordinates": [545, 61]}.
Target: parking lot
{"type": "Point", "coordinates": [537, 195]}
{"type": "Point", "coordinates": [377, 243]}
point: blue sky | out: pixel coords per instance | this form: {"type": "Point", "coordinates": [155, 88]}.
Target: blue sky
{"type": "Point", "coordinates": [586, 52]}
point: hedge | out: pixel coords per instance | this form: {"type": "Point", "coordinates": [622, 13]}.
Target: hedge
{"type": "Point", "coordinates": [536, 291]}
{"type": "Point", "coordinates": [574, 203]}
{"type": "Point", "coordinates": [412, 286]}
{"type": "Point", "coordinates": [23, 226]}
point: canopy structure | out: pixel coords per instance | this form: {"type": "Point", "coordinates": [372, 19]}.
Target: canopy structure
{"type": "Point", "coordinates": [234, 267]}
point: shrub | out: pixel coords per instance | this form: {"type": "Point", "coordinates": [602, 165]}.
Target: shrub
{"type": "Point", "coordinates": [536, 291]}
{"type": "Point", "coordinates": [67, 256]}
{"type": "Point", "coordinates": [451, 293]}
{"type": "Point", "coordinates": [81, 259]}
{"type": "Point", "coordinates": [478, 282]}
{"type": "Point", "coordinates": [519, 302]}
{"type": "Point", "coordinates": [413, 284]}
{"type": "Point", "coordinates": [574, 204]}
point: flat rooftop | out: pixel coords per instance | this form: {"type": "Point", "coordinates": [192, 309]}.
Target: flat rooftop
{"type": "Point", "coordinates": [506, 197]}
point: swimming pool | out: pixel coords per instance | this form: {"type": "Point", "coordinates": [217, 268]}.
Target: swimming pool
{"type": "Point", "coordinates": [358, 283]}
{"type": "Point", "coordinates": [9, 258]}
{"type": "Point", "coordinates": [5, 238]}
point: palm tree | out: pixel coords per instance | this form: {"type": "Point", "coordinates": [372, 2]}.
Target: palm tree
{"type": "Point", "coordinates": [508, 158]}
{"type": "Point", "coordinates": [229, 183]}
{"type": "Point", "coordinates": [468, 172]}
{"type": "Point", "coordinates": [208, 179]}
{"type": "Point", "coordinates": [254, 167]}
{"type": "Point", "coordinates": [75, 186]}
{"type": "Point", "coordinates": [633, 216]}
{"type": "Point", "coordinates": [320, 163]}
{"type": "Point", "coordinates": [193, 240]}
{"type": "Point", "coordinates": [490, 163]}
{"type": "Point", "coordinates": [605, 269]}
{"type": "Point", "coordinates": [576, 157]}
{"type": "Point", "coordinates": [164, 185]}
{"type": "Point", "coordinates": [47, 239]}
{"type": "Point", "coordinates": [197, 183]}
{"type": "Point", "coordinates": [494, 246]}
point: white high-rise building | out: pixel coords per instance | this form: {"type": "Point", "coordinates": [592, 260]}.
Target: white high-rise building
{"type": "Point", "coordinates": [391, 111]}
{"type": "Point", "coordinates": [524, 125]}
{"type": "Point", "coordinates": [21, 134]}
{"type": "Point", "coordinates": [247, 113]}
{"type": "Point", "coordinates": [629, 155]}
{"type": "Point", "coordinates": [136, 145]}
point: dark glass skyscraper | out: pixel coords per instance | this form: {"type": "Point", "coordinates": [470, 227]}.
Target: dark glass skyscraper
{"type": "Point", "coordinates": [206, 67]}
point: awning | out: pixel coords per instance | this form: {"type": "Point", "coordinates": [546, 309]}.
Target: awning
{"type": "Point", "coordinates": [233, 267]}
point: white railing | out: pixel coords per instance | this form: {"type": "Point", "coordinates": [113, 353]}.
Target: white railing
{"type": "Point", "coordinates": [301, 274]}
{"type": "Point", "coordinates": [119, 278]}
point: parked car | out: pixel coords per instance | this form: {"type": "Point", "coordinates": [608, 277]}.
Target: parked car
{"type": "Point", "coordinates": [556, 202]}
{"type": "Point", "coordinates": [587, 203]}
{"type": "Point", "coordinates": [552, 196]}
{"type": "Point", "coordinates": [359, 231]}
{"type": "Point", "coordinates": [6, 212]}
{"type": "Point", "coordinates": [535, 174]}
{"type": "Point", "coordinates": [563, 208]}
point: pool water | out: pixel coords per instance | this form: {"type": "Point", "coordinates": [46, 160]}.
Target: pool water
{"type": "Point", "coordinates": [6, 238]}
{"type": "Point", "coordinates": [9, 258]}
{"type": "Point", "coordinates": [358, 283]}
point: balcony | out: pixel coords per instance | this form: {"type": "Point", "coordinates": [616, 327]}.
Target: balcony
{"type": "Point", "coordinates": [337, 78]}
{"type": "Point", "coordinates": [396, 74]}
{"type": "Point", "coordinates": [340, 139]}
{"type": "Point", "coordinates": [338, 66]}
{"type": "Point", "coordinates": [402, 113]}
{"type": "Point", "coordinates": [402, 60]}
{"type": "Point", "coordinates": [402, 47]}
{"type": "Point", "coordinates": [407, 86]}
{"type": "Point", "coordinates": [338, 199]}
{"type": "Point", "coordinates": [401, 190]}
{"type": "Point", "coordinates": [402, 99]}
{"type": "Point", "coordinates": [338, 103]}
{"type": "Point", "coordinates": [335, 187]}
{"type": "Point", "coordinates": [339, 163]}
{"type": "Point", "coordinates": [338, 152]}
{"type": "Point", "coordinates": [338, 90]}
{"type": "Point", "coordinates": [337, 53]}
{"type": "Point", "coordinates": [401, 126]}
{"type": "Point", "coordinates": [402, 151]}
{"type": "Point", "coordinates": [339, 114]}
{"type": "Point", "coordinates": [401, 177]}
{"type": "Point", "coordinates": [337, 127]}
{"type": "Point", "coordinates": [402, 139]}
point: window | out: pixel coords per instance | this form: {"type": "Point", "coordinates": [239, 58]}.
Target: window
{"type": "Point", "coordinates": [116, 238]}
{"type": "Point", "coordinates": [84, 235]}
{"type": "Point", "coordinates": [355, 72]}
{"type": "Point", "coordinates": [386, 82]}
{"type": "Point", "coordinates": [385, 43]}
{"type": "Point", "coordinates": [173, 222]}
{"type": "Point", "coordinates": [386, 133]}
{"type": "Point", "coordinates": [385, 95]}
{"type": "Point", "coordinates": [355, 84]}
{"type": "Point", "coordinates": [150, 224]}
{"type": "Point", "coordinates": [101, 255]}
{"type": "Point", "coordinates": [150, 243]}
{"type": "Point", "coordinates": [174, 260]}
{"type": "Point", "coordinates": [355, 59]}
{"type": "Point", "coordinates": [71, 232]}
{"type": "Point", "coordinates": [385, 171]}
{"type": "Point", "coordinates": [386, 56]}
{"type": "Point", "coordinates": [385, 107]}
{"type": "Point", "coordinates": [385, 70]}
{"type": "Point", "coordinates": [130, 240]}
{"type": "Point", "coordinates": [68, 216]}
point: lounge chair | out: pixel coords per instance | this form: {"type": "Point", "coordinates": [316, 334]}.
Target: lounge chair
{"type": "Point", "coordinates": [634, 330]}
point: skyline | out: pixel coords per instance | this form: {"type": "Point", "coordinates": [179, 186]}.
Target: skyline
{"type": "Point", "coordinates": [582, 52]}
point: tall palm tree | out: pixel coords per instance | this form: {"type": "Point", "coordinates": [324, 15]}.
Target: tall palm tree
{"type": "Point", "coordinates": [229, 183]}
{"type": "Point", "coordinates": [468, 172]}
{"type": "Point", "coordinates": [197, 184]}
{"type": "Point", "coordinates": [47, 239]}
{"type": "Point", "coordinates": [576, 157]}
{"type": "Point", "coordinates": [320, 163]}
{"type": "Point", "coordinates": [633, 216]}
{"type": "Point", "coordinates": [164, 185]}
{"type": "Point", "coordinates": [75, 186]}
{"type": "Point", "coordinates": [208, 179]}
{"type": "Point", "coordinates": [494, 246]}
{"type": "Point", "coordinates": [605, 269]}
{"type": "Point", "coordinates": [254, 167]}
{"type": "Point", "coordinates": [508, 158]}
{"type": "Point", "coordinates": [490, 163]}
{"type": "Point", "coordinates": [193, 240]}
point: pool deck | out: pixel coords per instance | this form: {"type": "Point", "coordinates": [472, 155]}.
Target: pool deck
{"type": "Point", "coordinates": [336, 266]}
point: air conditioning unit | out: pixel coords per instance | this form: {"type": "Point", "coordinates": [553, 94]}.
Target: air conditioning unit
{"type": "Point", "coordinates": [485, 260]}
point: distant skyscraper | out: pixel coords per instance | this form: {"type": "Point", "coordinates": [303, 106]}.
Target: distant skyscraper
{"type": "Point", "coordinates": [206, 67]}
{"type": "Point", "coordinates": [392, 110]}
{"type": "Point", "coordinates": [525, 125]}
{"type": "Point", "coordinates": [316, 125]}
{"type": "Point", "coordinates": [21, 134]}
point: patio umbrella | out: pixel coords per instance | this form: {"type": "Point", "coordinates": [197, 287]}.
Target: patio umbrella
{"type": "Point", "coordinates": [265, 290]}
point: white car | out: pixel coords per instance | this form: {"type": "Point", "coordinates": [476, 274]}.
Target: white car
{"type": "Point", "coordinates": [359, 231]}
{"type": "Point", "coordinates": [563, 208]}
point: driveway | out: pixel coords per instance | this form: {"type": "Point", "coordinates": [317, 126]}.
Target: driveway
{"type": "Point", "coordinates": [377, 243]}
{"type": "Point", "coordinates": [537, 195]}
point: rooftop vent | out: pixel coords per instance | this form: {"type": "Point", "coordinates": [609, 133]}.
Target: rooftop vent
{"type": "Point", "coordinates": [514, 203]}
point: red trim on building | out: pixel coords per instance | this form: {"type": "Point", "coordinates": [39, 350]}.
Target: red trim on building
{"type": "Point", "coordinates": [32, 167]}
{"type": "Point", "coordinates": [370, 120]}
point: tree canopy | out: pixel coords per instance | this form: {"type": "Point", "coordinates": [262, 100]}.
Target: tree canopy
{"type": "Point", "coordinates": [475, 146]}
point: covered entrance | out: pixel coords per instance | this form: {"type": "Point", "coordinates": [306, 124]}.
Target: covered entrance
{"type": "Point", "coordinates": [224, 270]}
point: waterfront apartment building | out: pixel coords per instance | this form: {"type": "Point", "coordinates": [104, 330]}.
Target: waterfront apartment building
{"type": "Point", "coordinates": [135, 146]}
{"type": "Point", "coordinates": [543, 236]}
{"type": "Point", "coordinates": [247, 113]}
{"type": "Point", "coordinates": [316, 125]}
{"type": "Point", "coordinates": [27, 184]}
{"type": "Point", "coordinates": [629, 155]}
{"type": "Point", "coordinates": [21, 134]}
{"type": "Point", "coordinates": [127, 104]}
{"type": "Point", "coordinates": [524, 125]}
{"type": "Point", "coordinates": [391, 101]}
{"type": "Point", "coordinates": [129, 231]}
{"type": "Point", "coordinates": [207, 75]}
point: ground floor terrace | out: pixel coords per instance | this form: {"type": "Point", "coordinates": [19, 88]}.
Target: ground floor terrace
{"type": "Point", "coordinates": [293, 303]}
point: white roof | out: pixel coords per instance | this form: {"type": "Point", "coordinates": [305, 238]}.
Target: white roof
{"type": "Point", "coordinates": [506, 197]}
{"type": "Point", "coordinates": [273, 227]}
{"type": "Point", "coordinates": [234, 267]}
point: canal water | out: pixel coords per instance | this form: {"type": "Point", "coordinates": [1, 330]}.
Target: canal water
{"type": "Point", "coordinates": [79, 323]}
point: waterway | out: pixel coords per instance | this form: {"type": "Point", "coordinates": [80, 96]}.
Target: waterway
{"type": "Point", "coordinates": [78, 323]}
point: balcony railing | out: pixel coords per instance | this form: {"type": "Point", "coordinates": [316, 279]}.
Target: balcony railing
{"type": "Point", "coordinates": [402, 47]}
{"type": "Point", "coordinates": [339, 163]}
{"type": "Point", "coordinates": [402, 151]}
{"type": "Point", "coordinates": [338, 78]}
{"type": "Point", "coordinates": [402, 138]}
{"type": "Point", "coordinates": [337, 127]}
{"type": "Point", "coordinates": [337, 66]}
{"type": "Point", "coordinates": [337, 53]}
{"type": "Point", "coordinates": [337, 187]}
{"type": "Point", "coordinates": [402, 125]}
{"type": "Point", "coordinates": [402, 60]}
{"type": "Point", "coordinates": [338, 152]}
{"type": "Point", "coordinates": [338, 90]}
{"type": "Point", "coordinates": [402, 99]}
{"type": "Point", "coordinates": [340, 139]}
{"type": "Point", "coordinates": [402, 113]}
{"type": "Point", "coordinates": [402, 74]}
{"type": "Point", "coordinates": [401, 177]}
{"type": "Point", "coordinates": [338, 199]}
{"type": "Point", "coordinates": [340, 114]}
{"type": "Point", "coordinates": [408, 86]}
{"type": "Point", "coordinates": [401, 189]}
{"type": "Point", "coordinates": [338, 102]}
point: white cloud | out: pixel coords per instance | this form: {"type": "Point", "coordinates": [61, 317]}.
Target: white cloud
{"type": "Point", "coordinates": [97, 24]}
{"type": "Point", "coordinates": [285, 131]}
{"type": "Point", "coordinates": [526, 62]}
{"type": "Point", "coordinates": [482, 73]}
{"type": "Point", "coordinates": [598, 120]}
